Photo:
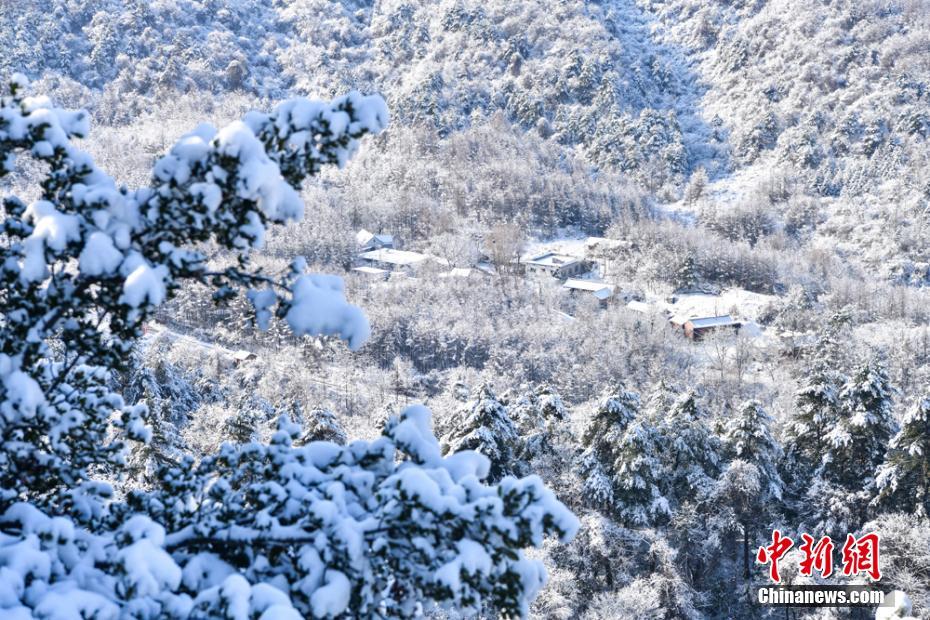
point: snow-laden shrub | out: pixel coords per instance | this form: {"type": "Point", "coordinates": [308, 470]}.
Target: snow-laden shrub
{"type": "Point", "coordinates": [316, 531]}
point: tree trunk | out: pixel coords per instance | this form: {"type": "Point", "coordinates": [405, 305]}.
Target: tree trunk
{"type": "Point", "coordinates": [747, 572]}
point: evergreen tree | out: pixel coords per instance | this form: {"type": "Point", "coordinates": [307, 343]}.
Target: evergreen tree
{"type": "Point", "coordinates": [242, 427]}
{"type": "Point", "coordinates": [750, 484]}
{"type": "Point", "coordinates": [687, 276]}
{"type": "Point", "coordinates": [617, 409]}
{"type": "Point", "coordinates": [541, 419]}
{"type": "Point", "coordinates": [322, 425]}
{"type": "Point", "coordinates": [903, 480]}
{"type": "Point", "coordinates": [606, 455]}
{"type": "Point", "coordinates": [857, 443]}
{"type": "Point", "coordinates": [538, 410]}
{"type": "Point", "coordinates": [691, 452]}
{"type": "Point", "coordinates": [816, 413]}
{"type": "Point", "coordinates": [249, 411]}
{"type": "Point", "coordinates": [660, 400]}
{"type": "Point", "coordinates": [816, 410]}
{"type": "Point", "coordinates": [749, 438]}
{"type": "Point", "coordinates": [638, 476]}
{"type": "Point", "coordinates": [484, 426]}
{"type": "Point", "coordinates": [826, 508]}
{"type": "Point", "coordinates": [836, 496]}
{"type": "Point", "coordinates": [691, 456]}
{"type": "Point", "coordinates": [162, 449]}
{"type": "Point", "coordinates": [737, 508]}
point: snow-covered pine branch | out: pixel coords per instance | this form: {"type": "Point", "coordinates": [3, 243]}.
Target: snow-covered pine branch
{"type": "Point", "coordinates": [319, 531]}
{"type": "Point", "coordinates": [382, 529]}
{"type": "Point", "coordinates": [87, 263]}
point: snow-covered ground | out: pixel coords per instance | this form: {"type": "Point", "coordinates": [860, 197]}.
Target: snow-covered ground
{"type": "Point", "coordinates": [725, 190]}
{"type": "Point", "coordinates": [740, 303]}
{"type": "Point", "coordinates": [571, 246]}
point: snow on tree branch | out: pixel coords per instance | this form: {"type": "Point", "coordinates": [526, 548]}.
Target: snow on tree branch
{"type": "Point", "coordinates": [88, 262]}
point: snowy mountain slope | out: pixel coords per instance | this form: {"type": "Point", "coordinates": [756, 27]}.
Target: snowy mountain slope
{"type": "Point", "coordinates": [838, 90]}
{"type": "Point", "coordinates": [131, 47]}
{"type": "Point", "coordinates": [824, 85]}
{"type": "Point", "coordinates": [588, 75]}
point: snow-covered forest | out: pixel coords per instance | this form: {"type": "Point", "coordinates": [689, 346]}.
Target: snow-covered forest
{"type": "Point", "coordinates": [454, 309]}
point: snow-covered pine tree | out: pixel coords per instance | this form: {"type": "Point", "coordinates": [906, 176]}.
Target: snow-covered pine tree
{"type": "Point", "coordinates": [538, 410]}
{"type": "Point", "coordinates": [617, 409]}
{"type": "Point", "coordinates": [483, 425]}
{"type": "Point", "coordinates": [254, 530]}
{"type": "Point", "coordinates": [249, 412]}
{"type": "Point", "coordinates": [541, 420]}
{"type": "Point", "coordinates": [857, 443]}
{"type": "Point", "coordinates": [903, 480]}
{"type": "Point", "coordinates": [601, 441]}
{"type": "Point", "coordinates": [129, 253]}
{"type": "Point", "coordinates": [736, 510]}
{"type": "Point", "coordinates": [750, 484]}
{"type": "Point", "coordinates": [825, 508]}
{"type": "Point", "coordinates": [243, 425]}
{"type": "Point", "coordinates": [749, 438]}
{"type": "Point", "coordinates": [168, 397]}
{"type": "Point", "coordinates": [427, 534]}
{"type": "Point", "coordinates": [638, 475]}
{"type": "Point", "coordinates": [838, 492]}
{"type": "Point", "coordinates": [691, 452]}
{"type": "Point", "coordinates": [621, 462]}
{"type": "Point", "coordinates": [692, 458]}
{"type": "Point", "coordinates": [322, 425]}
{"type": "Point", "coordinates": [816, 410]}
{"type": "Point", "coordinates": [687, 275]}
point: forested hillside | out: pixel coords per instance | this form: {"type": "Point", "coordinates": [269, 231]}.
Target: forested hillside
{"type": "Point", "coordinates": [758, 164]}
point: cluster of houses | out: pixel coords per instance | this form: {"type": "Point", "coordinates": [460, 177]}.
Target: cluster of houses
{"type": "Point", "coordinates": [380, 257]}
{"type": "Point", "coordinates": [691, 326]}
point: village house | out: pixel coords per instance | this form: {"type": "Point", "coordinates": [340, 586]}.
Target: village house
{"type": "Point", "coordinates": [559, 266]}
{"type": "Point", "coordinates": [374, 273]}
{"type": "Point", "coordinates": [242, 355]}
{"type": "Point", "coordinates": [641, 307]}
{"type": "Point", "coordinates": [368, 241]}
{"type": "Point", "coordinates": [599, 290]}
{"type": "Point", "coordinates": [696, 328]}
{"type": "Point", "coordinates": [466, 273]}
{"type": "Point", "coordinates": [390, 259]}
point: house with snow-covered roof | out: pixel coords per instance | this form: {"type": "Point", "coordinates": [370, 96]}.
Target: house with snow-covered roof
{"type": "Point", "coordinates": [561, 266]}
{"type": "Point", "coordinates": [696, 328]}
{"type": "Point", "coordinates": [374, 273]}
{"type": "Point", "coordinates": [368, 241]}
{"type": "Point", "coordinates": [642, 307]}
{"type": "Point", "coordinates": [599, 290]}
{"type": "Point", "coordinates": [242, 355]}
{"type": "Point", "coordinates": [390, 259]}
{"type": "Point", "coordinates": [466, 273]}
